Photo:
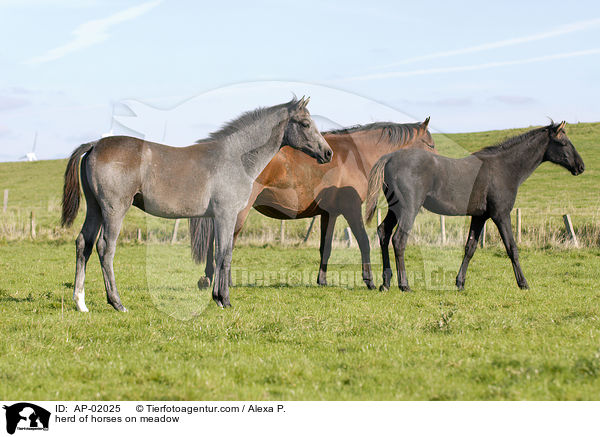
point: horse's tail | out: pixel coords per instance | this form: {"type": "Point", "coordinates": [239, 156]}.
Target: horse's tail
{"type": "Point", "coordinates": [375, 183]}
{"type": "Point", "coordinates": [71, 190]}
{"type": "Point", "coordinates": [201, 235]}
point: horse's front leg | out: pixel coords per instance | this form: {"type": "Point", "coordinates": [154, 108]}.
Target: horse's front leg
{"type": "Point", "coordinates": [327, 227]}
{"type": "Point", "coordinates": [505, 228]}
{"type": "Point", "coordinates": [224, 227]}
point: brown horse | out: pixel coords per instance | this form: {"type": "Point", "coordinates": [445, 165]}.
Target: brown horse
{"type": "Point", "coordinates": [293, 186]}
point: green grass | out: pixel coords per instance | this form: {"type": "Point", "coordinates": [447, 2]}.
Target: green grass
{"type": "Point", "coordinates": [299, 342]}
{"type": "Point", "coordinates": [288, 339]}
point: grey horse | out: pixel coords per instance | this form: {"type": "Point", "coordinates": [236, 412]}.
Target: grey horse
{"type": "Point", "coordinates": [211, 178]}
{"type": "Point", "coordinates": [483, 185]}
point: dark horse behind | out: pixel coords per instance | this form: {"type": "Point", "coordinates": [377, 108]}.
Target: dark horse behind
{"type": "Point", "coordinates": [211, 178]}
{"type": "Point", "coordinates": [294, 187]}
{"type": "Point", "coordinates": [483, 185]}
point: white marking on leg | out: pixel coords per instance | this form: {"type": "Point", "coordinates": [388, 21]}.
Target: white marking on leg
{"type": "Point", "coordinates": [79, 300]}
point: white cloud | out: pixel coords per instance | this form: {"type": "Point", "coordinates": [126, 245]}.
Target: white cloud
{"type": "Point", "coordinates": [93, 32]}
{"type": "Point", "coordinates": [560, 30]}
{"type": "Point", "coordinates": [424, 71]}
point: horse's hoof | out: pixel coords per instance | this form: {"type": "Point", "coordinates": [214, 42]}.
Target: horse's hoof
{"type": "Point", "coordinates": [405, 288]}
{"type": "Point", "coordinates": [120, 308]}
{"type": "Point", "coordinates": [203, 282]}
{"type": "Point", "coordinates": [384, 288]}
{"type": "Point", "coordinates": [524, 286]}
{"type": "Point", "coordinates": [322, 282]}
{"type": "Point", "coordinates": [370, 284]}
{"type": "Point", "coordinates": [222, 304]}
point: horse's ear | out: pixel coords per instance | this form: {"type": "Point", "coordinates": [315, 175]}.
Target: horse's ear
{"type": "Point", "coordinates": [561, 126]}
{"type": "Point", "coordinates": [425, 124]}
{"type": "Point", "coordinates": [302, 103]}
{"type": "Point", "coordinates": [298, 106]}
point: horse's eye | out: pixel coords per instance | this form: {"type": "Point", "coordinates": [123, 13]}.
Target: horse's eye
{"type": "Point", "coordinates": [305, 123]}
{"type": "Point", "coordinates": [431, 146]}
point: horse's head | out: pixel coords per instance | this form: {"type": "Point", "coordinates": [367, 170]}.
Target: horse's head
{"type": "Point", "coordinates": [423, 138]}
{"type": "Point", "coordinates": [301, 133]}
{"type": "Point", "coordinates": [561, 151]}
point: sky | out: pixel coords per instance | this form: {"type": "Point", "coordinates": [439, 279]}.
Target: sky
{"type": "Point", "coordinates": [68, 68]}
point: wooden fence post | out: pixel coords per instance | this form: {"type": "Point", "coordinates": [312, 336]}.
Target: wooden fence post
{"type": "Point", "coordinates": [570, 230]}
{"type": "Point", "coordinates": [310, 227]}
{"type": "Point", "coordinates": [348, 236]}
{"type": "Point", "coordinates": [175, 230]}
{"type": "Point", "coordinates": [282, 232]}
{"type": "Point", "coordinates": [443, 229]}
{"type": "Point", "coordinates": [378, 216]}
{"type": "Point", "coordinates": [482, 236]}
{"type": "Point", "coordinates": [139, 235]}
{"type": "Point", "coordinates": [5, 205]}
{"type": "Point", "coordinates": [32, 224]}
{"type": "Point", "coordinates": [519, 225]}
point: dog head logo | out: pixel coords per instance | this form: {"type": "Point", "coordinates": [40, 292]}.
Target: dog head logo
{"type": "Point", "coordinates": [25, 416]}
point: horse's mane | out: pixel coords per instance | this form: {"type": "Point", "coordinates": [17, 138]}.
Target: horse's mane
{"type": "Point", "coordinates": [245, 120]}
{"type": "Point", "coordinates": [509, 143]}
{"type": "Point", "coordinates": [394, 133]}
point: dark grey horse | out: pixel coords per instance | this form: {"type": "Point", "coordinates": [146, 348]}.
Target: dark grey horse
{"type": "Point", "coordinates": [212, 178]}
{"type": "Point", "coordinates": [483, 185]}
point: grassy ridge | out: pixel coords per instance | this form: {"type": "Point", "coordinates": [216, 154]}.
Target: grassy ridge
{"type": "Point", "coordinates": [299, 342]}
{"type": "Point", "coordinates": [550, 192]}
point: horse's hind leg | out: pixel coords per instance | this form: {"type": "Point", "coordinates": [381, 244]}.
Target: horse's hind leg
{"type": "Point", "coordinates": [399, 241]}
{"type": "Point", "coordinates": [84, 245]}
{"type": "Point", "coordinates": [106, 247]}
{"type": "Point", "coordinates": [354, 219]}
{"type": "Point", "coordinates": [406, 213]}
{"type": "Point", "coordinates": [384, 232]}
{"type": "Point", "coordinates": [470, 247]}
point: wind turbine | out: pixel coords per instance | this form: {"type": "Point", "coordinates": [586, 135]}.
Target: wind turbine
{"type": "Point", "coordinates": [31, 155]}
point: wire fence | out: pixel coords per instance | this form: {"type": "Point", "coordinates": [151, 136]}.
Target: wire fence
{"type": "Point", "coordinates": [532, 227]}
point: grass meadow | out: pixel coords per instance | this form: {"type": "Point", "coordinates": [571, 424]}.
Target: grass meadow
{"type": "Point", "coordinates": [287, 339]}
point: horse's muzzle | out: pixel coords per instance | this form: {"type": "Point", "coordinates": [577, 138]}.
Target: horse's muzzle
{"type": "Point", "coordinates": [327, 155]}
{"type": "Point", "coordinates": [580, 168]}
